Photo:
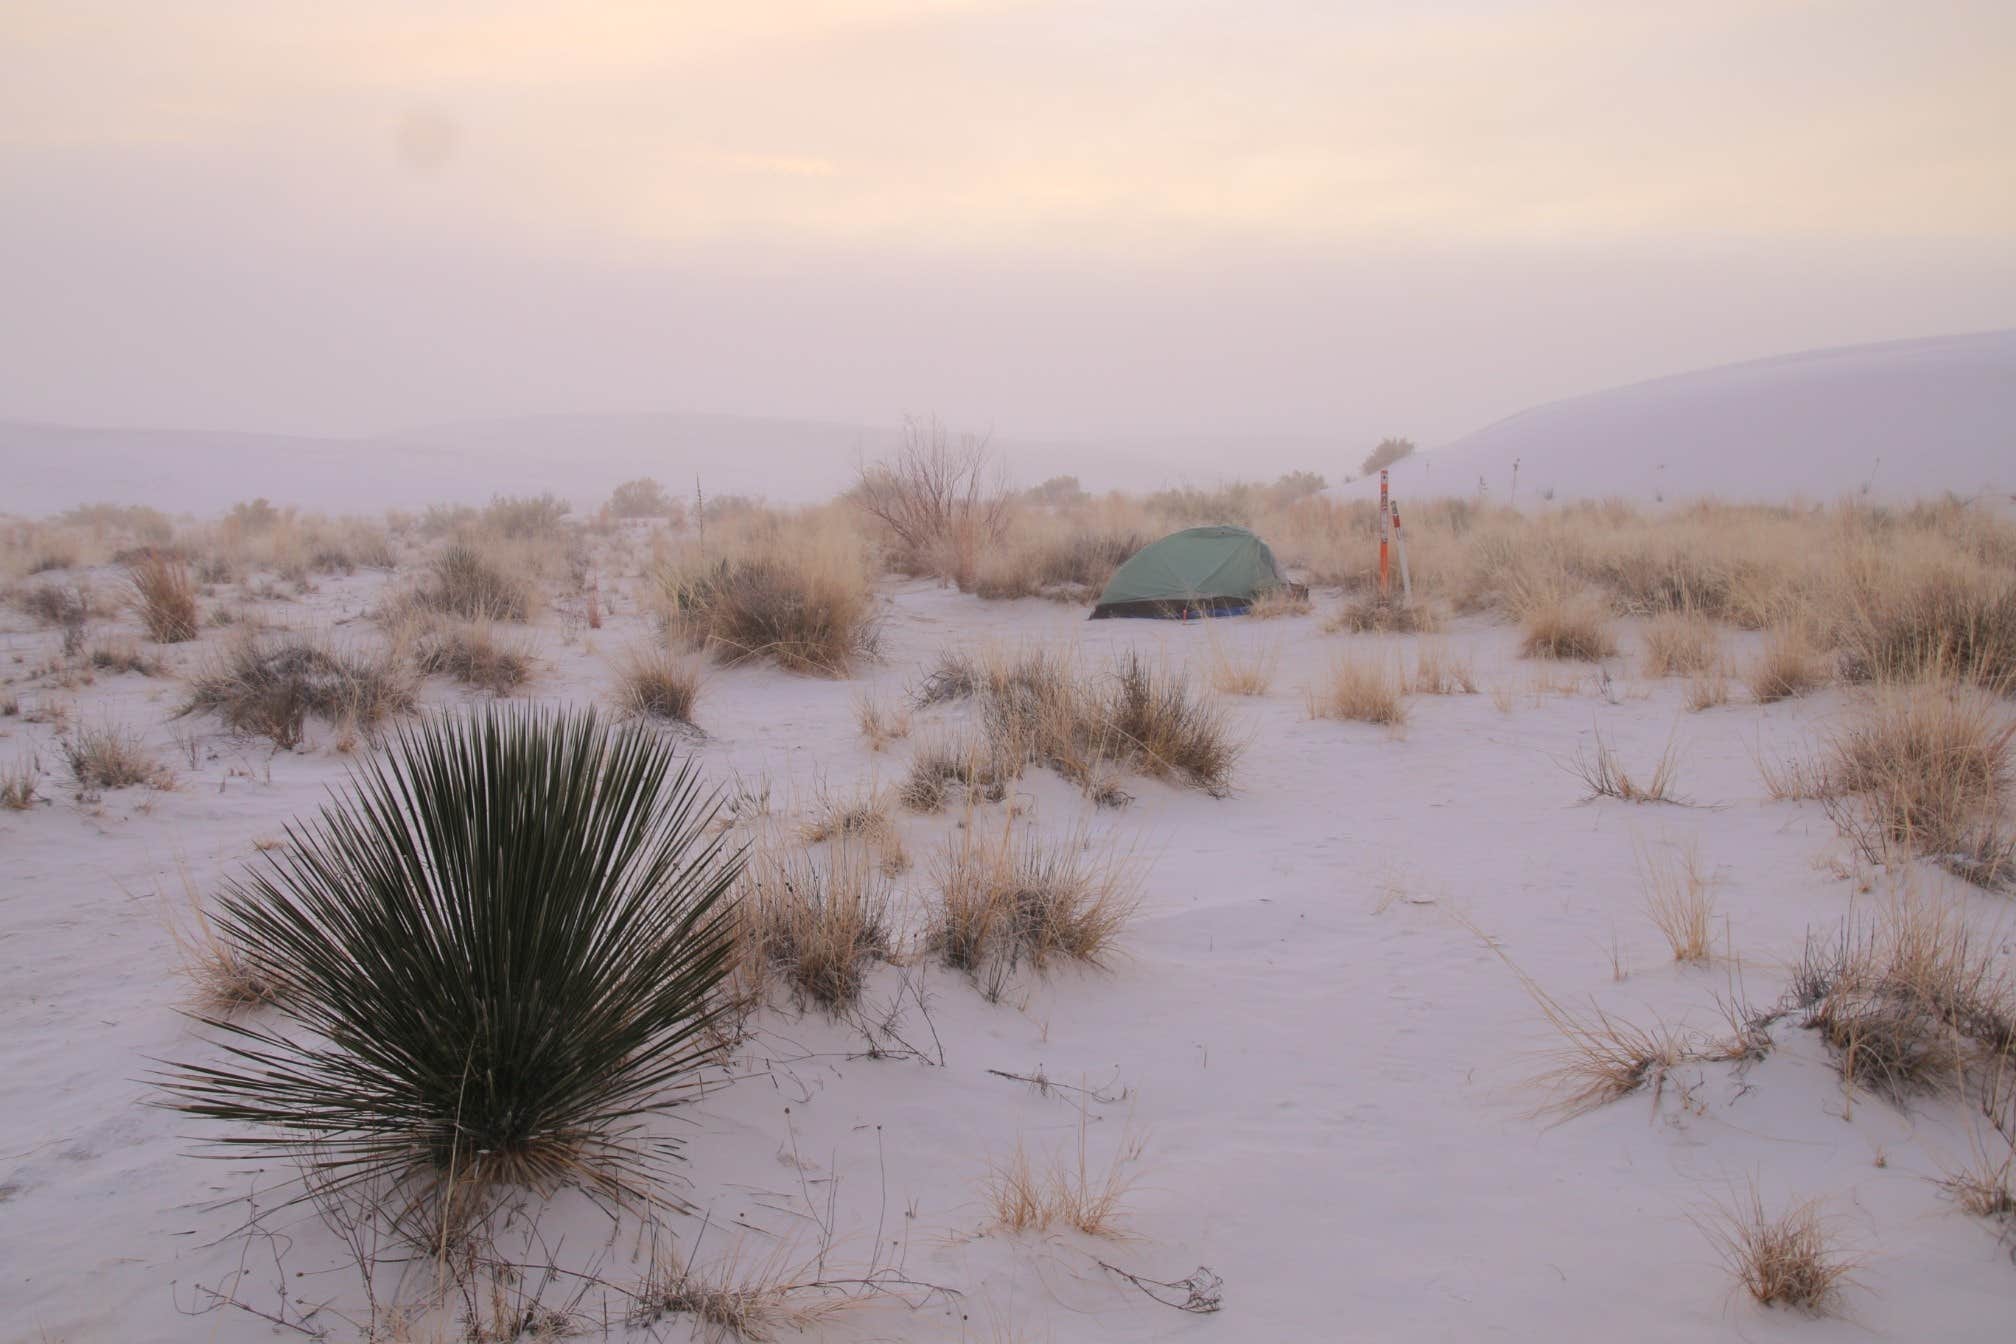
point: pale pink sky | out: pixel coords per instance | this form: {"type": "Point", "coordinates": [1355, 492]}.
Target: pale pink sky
{"type": "Point", "coordinates": [1075, 217]}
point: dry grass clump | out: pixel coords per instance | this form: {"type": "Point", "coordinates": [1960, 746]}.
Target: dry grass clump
{"type": "Point", "coordinates": [1680, 643]}
{"type": "Point", "coordinates": [1607, 778]}
{"type": "Point", "coordinates": [17, 784]}
{"type": "Point", "coordinates": [1385, 613]}
{"type": "Point", "coordinates": [1065, 562]}
{"type": "Point", "coordinates": [1707, 688]}
{"type": "Point", "coordinates": [1785, 1261]}
{"type": "Point", "coordinates": [1439, 672]}
{"type": "Point", "coordinates": [474, 654]}
{"type": "Point", "coordinates": [739, 1300]}
{"type": "Point", "coordinates": [881, 724]}
{"type": "Point", "coordinates": [864, 819]}
{"type": "Point", "coordinates": [123, 655]}
{"type": "Point", "coordinates": [222, 978]}
{"type": "Point", "coordinates": [1948, 619]}
{"type": "Point", "coordinates": [476, 583]}
{"type": "Point", "coordinates": [270, 686]}
{"type": "Point", "coordinates": [1786, 666]}
{"type": "Point", "coordinates": [1006, 898]}
{"type": "Point", "coordinates": [1063, 1193]}
{"type": "Point", "coordinates": [655, 683]}
{"type": "Point", "coordinates": [1986, 1187]}
{"type": "Point", "coordinates": [817, 922]}
{"type": "Point", "coordinates": [1231, 673]}
{"type": "Point", "coordinates": [1679, 901]}
{"type": "Point", "coordinates": [1290, 599]}
{"type": "Point", "coordinates": [1566, 624]}
{"type": "Point", "coordinates": [64, 605]}
{"type": "Point", "coordinates": [1927, 768]}
{"type": "Point", "coordinates": [166, 596]}
{"type": "Point", "coordinates": [804, 602]}
{"type": "Point", "coordinates": [110, 756]}
{"type": "Point", "coordinates": [1365, 691]}
{"type": "Point", "coordinates": [971, 766]}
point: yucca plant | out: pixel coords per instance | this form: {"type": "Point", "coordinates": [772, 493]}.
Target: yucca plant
{"type": "Point", "coordinates": [500, 949]}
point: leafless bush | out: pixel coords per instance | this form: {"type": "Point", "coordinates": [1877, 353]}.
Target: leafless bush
{"type": "Point", "coordinates": [941, 500]}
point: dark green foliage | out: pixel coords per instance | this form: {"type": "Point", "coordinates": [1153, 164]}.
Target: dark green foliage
{"type": "Point", "coordinates": [500, 948]}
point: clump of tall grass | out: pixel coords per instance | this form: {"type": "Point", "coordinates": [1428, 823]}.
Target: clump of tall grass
{"type": "Point", "coordinates": [271, 686]}
{"type": "Point", "coordinates": [1383, 613]}
{"type": "Point", "coordinates": [1946, 619]}
{"type": "Point", "coordinates": [1565, 624]}
{"type": "Point", "coordinates": [1786, 666]}
{"type": "Point", "coordinates": [1788, 1259]}
{"type": "Point", "coordinates": [473, 583]}
{"type": "Point", "coordinates": [815, 922]}
{"type": "Point", "coordinates": [166, 596]}
{"type": "Point", "coordinates": [803, 602]}
{"type": "Point", "coordinates": [473, 653]}
{"type": "Point", "coordinates": [1679, 643]}
{"type": "Point", "coordinates": [1356, 689]}
{"type": "Point", "coordinates": [972, 767]}
{"type": "Point", "coordinates": [658, 684]}
{"type": "Point", "coordinates": [1004, 899]}
{"type": "Point", "coordinates": [17, 784]}
{"type": "Point", "coordinates": [501, 945]}
{"type": "Point", "coordinates": [110, 756]}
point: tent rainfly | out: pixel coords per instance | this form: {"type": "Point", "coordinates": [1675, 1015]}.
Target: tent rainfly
{"type": "Point", "coordinates": [1200, 571]}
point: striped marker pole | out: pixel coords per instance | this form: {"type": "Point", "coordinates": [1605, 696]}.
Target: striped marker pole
{"type": "Point", "coordinates": [1385, 515]}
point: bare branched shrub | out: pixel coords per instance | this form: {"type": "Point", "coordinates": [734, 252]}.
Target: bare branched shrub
{"type": "Point", "coordinates": [1365, 691]}
{"type": "Point", "coordinates": [1565, 624]}
{"type": "Point", "coordinates": [941, 500]}
{"type": "Point", "coordinates": [656, 683]}
{"type": "Point", "coordinates": [473, 653]}
{"type": "Point", "coordinates": [1005, 899]}
{"type": "Point", "coordinates": [1786, 666]}
{"type": "Point", "coordinates": [815, 921]}
{"type": "Point", "coordinates": [110, 756]}
{"type": "Point", "coordinates": [1680, 643]}
{"type": "Point", "coordinates": [1607, 778]}
{"type": "Point", "coordinates": [166, 596]}
{"type": "Point", "coordinates": [1679, 901]}
{"type": "Point", "coordinates": [1789, 1260]}
{"type": "Point", "coordinates": [270, 686]}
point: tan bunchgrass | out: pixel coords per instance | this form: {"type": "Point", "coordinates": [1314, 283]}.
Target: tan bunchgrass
{"type": "Point", "coordinates": [475, 654]}
{"type": "Point", "coordinates": [1234, 673]}
{"type": "Point", "coordinates": [17, 784]}
{"type": "Point", "coordinates": [166, 596]}
{"type": "Point", "coordinates": [1785, 1260]}
{"type": "Point", "coordinates": [1786, 666]}
{"type": "Point", "coordinates": [1606, 777]}
{"type": "Point", "coordinates": [1679, 643]}
{"type": "Point", "coordinates": [943, 766]}
{"type": "Point", "coordinates": [1985, 1185]}
{"type": "Point", "coordinates": [1440, 672]}
{"type": "Point", "coordinates": [1359, 690]}
{"type": "Point", "coordinates": [1286, 600]}
{"type": "Point", "coordinates": [222, 979]}
{"type": "Point", "coordinates": [742, 1297]}
{"type": "Point", "coordinates": [880, 723]}
{"type": "Point", "coordinates": [798, 594]}
{"type": "Point", "coordinates": [111, 756]}
{"type": "Point", "coordinates": [1383, 613]}
{"type": "Point", "coordinates": [815, 922]}
{"type": "Point", "coordinates": [1707, 688]}
{"type": "Point", "coordinates": [1565, 624]}
{"type": "Point", "coordinates": [654, 682]}
{"type": "Point", "coordinates": [863, 818]}
{"type": "Point", "coordinates": [1678, 900]}
{"type": "Point", "coordinates": [271, 686]}
{"type": "Point", "coordinates": [1063, 1192]}
{"type": "Point", "coordinates": [1003, 898]}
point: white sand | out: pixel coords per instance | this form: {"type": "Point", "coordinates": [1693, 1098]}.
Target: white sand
{"type": "Point", "coordinates": [1330, 1072]}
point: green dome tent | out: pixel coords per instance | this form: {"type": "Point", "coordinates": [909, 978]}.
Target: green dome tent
{"type": "Point", "coordinates": [1200, 571]}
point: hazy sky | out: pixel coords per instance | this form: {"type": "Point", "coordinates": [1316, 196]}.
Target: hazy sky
{"type": "Point", "coordinates": [1142, 215]}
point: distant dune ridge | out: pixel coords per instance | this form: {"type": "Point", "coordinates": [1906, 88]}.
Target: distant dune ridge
{"type": "Point", "coordinates": [1896, 420]}
{"type": "Point", "coordinates": [1902, 419]}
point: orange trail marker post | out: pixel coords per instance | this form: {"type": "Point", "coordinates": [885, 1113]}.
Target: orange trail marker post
{"type": "Point", "coordinates": [1385, 517]}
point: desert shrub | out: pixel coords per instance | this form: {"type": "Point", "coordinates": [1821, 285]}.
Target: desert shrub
{"type": "Point", "coordinates": [477, 585]}
{"type": "Point", "coordinates": [1150, 722]}
{"type": "Point", "coordinates": [655, 683]}
{"type": "Point", "coordinates": [815, 921]}
{"type": "Point", "coordinates": [945, 765]}
{"type": "Point", "coordinates": [1006, 899]}
{"type": "Point", "coordinates": [500, 946]}
{"type": "Point", "coordinates": [270, 686]}
{"type": "Point", "coordinates": [1071, 564]}
{"type": "Point", "coordinates": [1679, 643]}
{"type": "Point", "coordinates": [941, 501]}
{"type": "Point", "coordinates": [1366, 692]}
{"type": "Point", "coordinates": [807, 609]}
{"type": "Point", "coordinates": [252, 516]}
{"type": "Point", "coordinates": [645, 498]}
{"type": "Point", "coordinates": [1290, 599]}
{"type": "Point", "coordinates": [521, 517]}
{"type": "Point", "coordinates": [1786, 666]}
{"type": "Point", "coordinates": [109, 756]}
{"type": "Point", "coordinates": [123, 655]}
{"type": "Point", "coordinates": [17, 784]}
{"type": "Point", "coordinates": [1565, 624]}
{"type": "Point", "coordinates": [65, 605]}
{"type": "Point", "coordinates": [1948, 621]}
{"type": "Point", "coordinates": [472, 653]}
{"type": "Point", "coordinates": [1788, 1260]}
{"type": "Point", "coordinates": [1385, 454]}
